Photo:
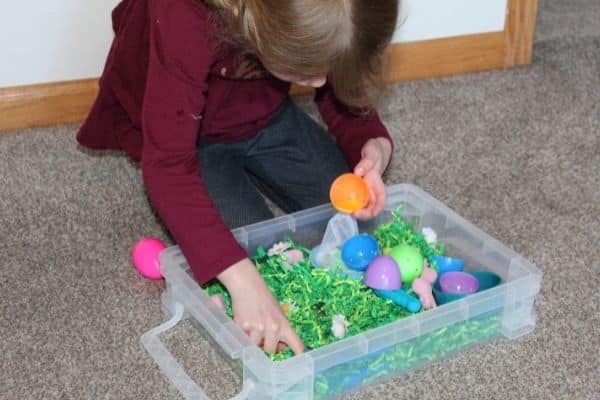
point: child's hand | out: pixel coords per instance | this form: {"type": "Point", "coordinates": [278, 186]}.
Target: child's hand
{"type": "Point", "coordinates": [255, 309]}
{"type": "Point", "coordinates": [376, 154]}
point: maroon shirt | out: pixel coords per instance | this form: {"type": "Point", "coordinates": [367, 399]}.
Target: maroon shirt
{"type": "Point", "coordinates": [169, 80]}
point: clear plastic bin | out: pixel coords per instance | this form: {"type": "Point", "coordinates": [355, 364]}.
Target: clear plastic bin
{"type": "Point", "coordinates": [376, 355]}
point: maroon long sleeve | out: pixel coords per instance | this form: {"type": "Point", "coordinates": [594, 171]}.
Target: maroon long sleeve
{"type": "Point", "coordinates": [169, 80]}
{"type": "Point", "coordinates": [351, 128]}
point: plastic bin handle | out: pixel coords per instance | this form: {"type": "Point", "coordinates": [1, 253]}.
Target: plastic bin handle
{"type": "Point", "coordinates": [169, 365]}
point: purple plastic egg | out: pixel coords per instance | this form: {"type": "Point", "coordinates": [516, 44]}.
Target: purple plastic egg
{"type": "Point", "coordinates": [383, 273]}
{"type": "Point", "coordinates": [456, 282]}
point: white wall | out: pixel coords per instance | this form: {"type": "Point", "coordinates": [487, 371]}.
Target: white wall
{"type": "Point", "coordinates": [57, 40]}
{"type": "Point", "coordinates": [433, 19]}
{"type": "Point", "coordinates": [53, 40]}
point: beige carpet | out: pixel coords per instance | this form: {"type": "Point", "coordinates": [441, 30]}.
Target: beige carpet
{"type": "Point", "coordinates": [516, 152]}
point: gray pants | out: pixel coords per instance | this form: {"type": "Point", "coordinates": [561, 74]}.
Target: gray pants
{"type": "Point", "coordinates": [292, 161]}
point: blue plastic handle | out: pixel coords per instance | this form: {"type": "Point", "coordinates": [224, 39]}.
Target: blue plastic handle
{"type": "Point", "coordinates": [401, 298]}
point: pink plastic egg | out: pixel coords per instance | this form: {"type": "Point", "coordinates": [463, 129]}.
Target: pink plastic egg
{"type": "Point", "coordinates": [144, 256]}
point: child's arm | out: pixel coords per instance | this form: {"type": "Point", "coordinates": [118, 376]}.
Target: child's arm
{"type": "Point", "coordinates": [255, 309]}
{"type": "Point", "coordinates": [375, 156]}
{"type": "Point", "coordinates": [179, 64]}
{"type": "Point", "coordinates": [180, 57]}
{"type": "Point", "coordinates": [365, 142]}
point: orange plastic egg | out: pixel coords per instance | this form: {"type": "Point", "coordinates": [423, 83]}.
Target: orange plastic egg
{"type": "Point", "coordinates": [349, 193]}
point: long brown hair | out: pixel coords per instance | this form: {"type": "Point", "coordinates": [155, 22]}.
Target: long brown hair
{"type": "Point", "coordinates": [344, 39]}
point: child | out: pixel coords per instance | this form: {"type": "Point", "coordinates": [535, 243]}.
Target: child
{"type": "Point", "coordinates": [197, 92]}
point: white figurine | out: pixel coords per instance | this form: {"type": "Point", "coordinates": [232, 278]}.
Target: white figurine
{"type": "Point", "coordinates": [339, 326]}
{"type": "Point", "coordinates": [278, 248]}
{"type": "Point", "coordinates": [429, 234]}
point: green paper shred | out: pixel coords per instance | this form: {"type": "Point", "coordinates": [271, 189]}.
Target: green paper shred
{"type": "Point", "coordinates": [398, 231]}
{"type": "Point", "coordinates": [319, 294]}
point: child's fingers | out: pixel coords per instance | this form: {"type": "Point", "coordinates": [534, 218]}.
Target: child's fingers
{"type": "Point", "coordinates": [271, 341]}
{"type": "Point", "coordinates": [287, 335]}
{"type": "Point", "coordinates": [380, 197]}
{"type": "Point", "coordinates": [375, 205]}
{"type": "Point", "coordinates": [257, 336]}
{"type": "Point", "coordinates": [371, 210]}
{"type": "Point", "coordinates": [367, 211]}
{"type": "Point", "coordinates": [371, 158]}
{"type": "Point", "coordinates": [364, 166]}
{"type": "Point", "coordinates": [377, 199]}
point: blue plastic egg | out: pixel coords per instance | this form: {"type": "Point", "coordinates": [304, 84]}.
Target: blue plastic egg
{"type": "Point", "coordinates": [359, 251]}
{"type": "Point", "coordinates": [448, 264]}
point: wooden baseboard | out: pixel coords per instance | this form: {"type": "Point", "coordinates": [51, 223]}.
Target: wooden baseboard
{"type": "Point", "coordinates": [444, 57]}
{"type": "Point", "coordinates": [67, 102]}
{"type": "Point", "coordinates": [46, 104]}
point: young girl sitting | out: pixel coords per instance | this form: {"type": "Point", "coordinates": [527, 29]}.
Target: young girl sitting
{"type": "Point", "coordinates": [197, 92]}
